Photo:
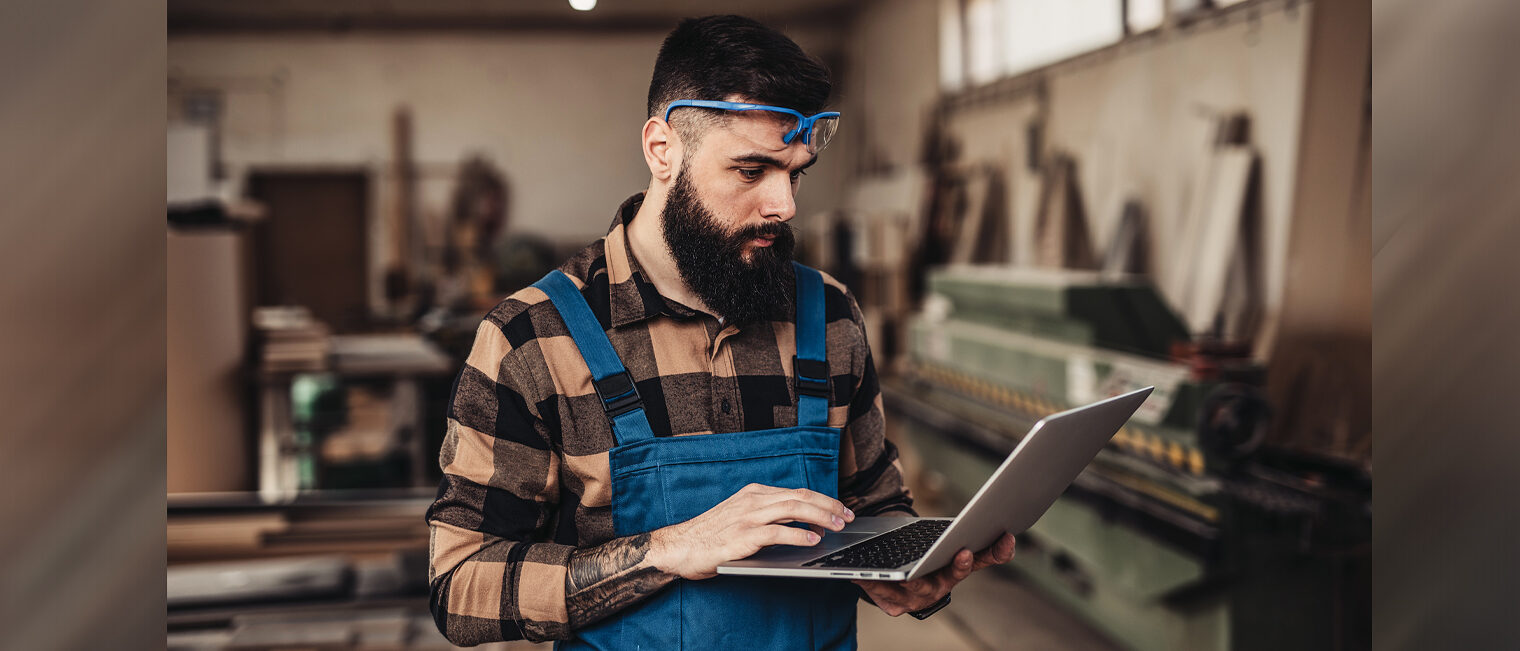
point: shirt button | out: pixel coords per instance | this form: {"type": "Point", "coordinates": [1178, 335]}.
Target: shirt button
{"type": "Point", "coordinates": [726, 407]}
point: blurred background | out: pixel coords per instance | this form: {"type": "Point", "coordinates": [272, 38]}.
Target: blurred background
{"type": "Point", "coordinates": [1038, 204]}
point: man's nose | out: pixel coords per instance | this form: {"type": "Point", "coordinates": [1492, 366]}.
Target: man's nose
{"type": "Point", "coordinates": [779, 201]}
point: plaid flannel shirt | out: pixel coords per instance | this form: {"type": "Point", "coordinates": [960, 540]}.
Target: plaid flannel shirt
{"type": "Point", "coordinates": [526, 479]}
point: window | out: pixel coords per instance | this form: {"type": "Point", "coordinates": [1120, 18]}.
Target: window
{"type": "Point", "coordinates": [983, 40]}
{"type": "Point", "coordinates": [1144, 15]}
{"type": "Point", "coordinates": [1035, 33]}
{"type": "Point", "coordinates": [952, 48]}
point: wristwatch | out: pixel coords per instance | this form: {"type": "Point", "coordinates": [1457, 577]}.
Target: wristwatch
{"type": "Point", "coordinates": [934, 608]}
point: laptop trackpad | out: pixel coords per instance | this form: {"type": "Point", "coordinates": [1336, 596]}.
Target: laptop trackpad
{"type": "Point", "coordinates": [843, 539]}
{"type": "Point", "coordinates": [791, 554]}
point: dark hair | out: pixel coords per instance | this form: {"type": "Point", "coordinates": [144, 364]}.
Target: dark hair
{"type": "Point", "coordinates": [717, 56]}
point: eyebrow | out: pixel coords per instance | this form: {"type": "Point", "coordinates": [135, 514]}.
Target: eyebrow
{"type": "Point", "coordinates": [762, 159]}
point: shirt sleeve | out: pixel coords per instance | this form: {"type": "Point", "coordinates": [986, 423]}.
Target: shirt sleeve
{"type": "Point", "coordinates": [870, 475]}
{"type": "Point", "coordinates": [490, 578]}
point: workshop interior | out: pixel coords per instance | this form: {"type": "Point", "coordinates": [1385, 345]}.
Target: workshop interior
{"type": "Point", "coordinates": [1037, 204]}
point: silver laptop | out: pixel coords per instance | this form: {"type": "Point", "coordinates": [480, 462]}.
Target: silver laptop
{"type": "Point", "coordinates": [899, 549]}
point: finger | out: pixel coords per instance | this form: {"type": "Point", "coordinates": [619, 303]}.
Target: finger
{"type": "Point", "coordinates": [1006, 548]}
{"type": "Point", "coordinates": [962, 566]}
{"type": "Point", "coordinates": [798, 511]}
{"type": "Point", "coordinates": [791, 510]}
{"type": "Point", "coordinates": [760, 489]}
{"type": "Point", "coordinates": [816, 499]}
{"type": "Point", "coordinates": [999, 552]}
{"type": "Point", "coordinates": [988, 557]}
{"type": "Point", "coordinates": [775, 534]}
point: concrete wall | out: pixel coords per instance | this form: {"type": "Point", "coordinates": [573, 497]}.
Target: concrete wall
{"type": "Point", "coordinates": [889, 85]}
{"type": "Point", "coordinates": [558, 113]}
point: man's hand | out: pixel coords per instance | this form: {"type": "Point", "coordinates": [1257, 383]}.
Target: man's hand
{"type": "Point", "coordinates": [898, 597]}
{"type": "Point", "coordinates": [741, 525]}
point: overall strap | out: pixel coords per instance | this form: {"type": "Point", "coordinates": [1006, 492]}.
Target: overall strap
{"type": "Point", "coordinates": [620, 397]}
{"type": "Point", "coordinates": [812, 361]}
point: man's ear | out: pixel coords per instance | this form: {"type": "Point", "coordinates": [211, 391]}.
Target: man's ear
{"type": "Point", "coordinates": [661, 149]}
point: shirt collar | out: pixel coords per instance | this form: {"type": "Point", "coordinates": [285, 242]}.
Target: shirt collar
{"type": "Point", "coordinates": [631, 295]}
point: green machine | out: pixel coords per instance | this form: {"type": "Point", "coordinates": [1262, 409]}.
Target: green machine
{"type": "Point", "coordinates": [1186, 532]}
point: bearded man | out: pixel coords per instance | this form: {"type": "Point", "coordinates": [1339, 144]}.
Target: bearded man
{"type": "Point", "coordinates": [678, 395]}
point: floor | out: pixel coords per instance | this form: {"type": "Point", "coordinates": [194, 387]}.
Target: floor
{"type": "Point", "coordinates": [991, 610]}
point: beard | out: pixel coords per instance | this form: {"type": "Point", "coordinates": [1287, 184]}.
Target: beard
{"type": "Point", "coordinates": [712, 263]}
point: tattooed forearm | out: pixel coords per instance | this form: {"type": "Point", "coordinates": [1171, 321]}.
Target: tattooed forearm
{"type": "Point", "coordinates": [589, 567]}
{"type": "Point", "coordinates": [592, 604]}
{"type": "Point", "coordinates": [605, 579]}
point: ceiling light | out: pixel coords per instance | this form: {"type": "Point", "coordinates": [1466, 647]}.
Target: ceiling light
{"type": "Point", "coordinates": [583, 5]}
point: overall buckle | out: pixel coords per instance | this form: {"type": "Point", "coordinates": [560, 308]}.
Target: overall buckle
{"type": "Point", "coordinates": [812, 377]}
{"type": "Point", "coordinates": [618, 393]}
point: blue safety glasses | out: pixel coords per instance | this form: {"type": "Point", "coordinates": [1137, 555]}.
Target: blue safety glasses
{"type": "Point", "coordinates": [815, 130]}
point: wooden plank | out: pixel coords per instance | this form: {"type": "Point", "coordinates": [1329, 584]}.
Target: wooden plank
{"type": "Point", "coordinates": [1218, 236]}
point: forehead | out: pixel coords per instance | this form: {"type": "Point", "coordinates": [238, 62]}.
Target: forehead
{"type": "Point", "coordinates": [762, 130]}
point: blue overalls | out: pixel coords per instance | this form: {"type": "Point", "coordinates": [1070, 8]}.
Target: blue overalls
{"type": "Point", "coordinates": [658, 482]}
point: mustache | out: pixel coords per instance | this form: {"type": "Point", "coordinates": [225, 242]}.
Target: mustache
{"type": "Point", "coordinates": [777, 230]}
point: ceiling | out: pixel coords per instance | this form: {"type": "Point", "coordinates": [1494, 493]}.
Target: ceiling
{"type": "Point", "coordinates": [188, 16]}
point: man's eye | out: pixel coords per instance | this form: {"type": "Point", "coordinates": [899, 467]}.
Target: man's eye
{"type": "Point", "coordinates": [750, 174]}
{"type": "Point", "coordinates": [797, 175]}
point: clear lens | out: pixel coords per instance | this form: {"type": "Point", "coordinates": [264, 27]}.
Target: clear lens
{"type": "Point", "coordinates": [821, 133]}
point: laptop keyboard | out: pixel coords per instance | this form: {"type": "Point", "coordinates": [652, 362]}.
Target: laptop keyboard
{"type": "Point", "coordinates": [896, 548]}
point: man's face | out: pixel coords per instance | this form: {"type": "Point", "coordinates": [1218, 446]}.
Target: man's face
{"type": "Point", "coordinates": [745, 174]}
{"type": "Point", "coordinates": [725, 216]}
